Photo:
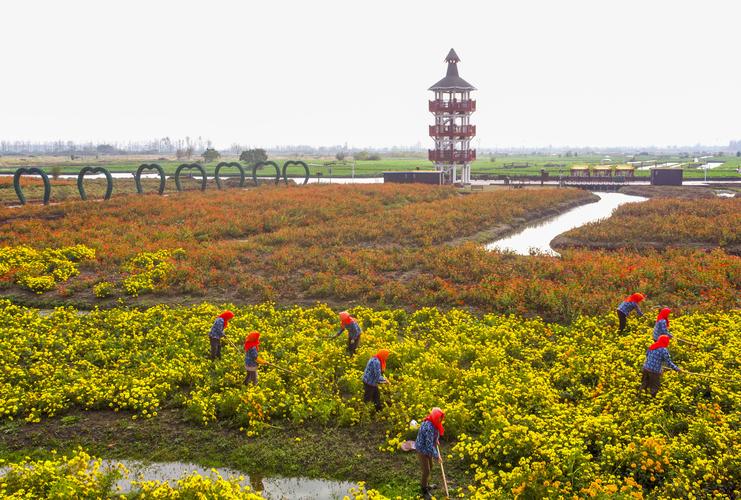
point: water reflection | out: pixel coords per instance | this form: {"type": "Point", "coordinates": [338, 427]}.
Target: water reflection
{"type": "Point", "coordinates": [537, 238]}
{"type": "Point", "coordinates": [343, 180]}
{"type": "Point", "coordinates": [256, 482]}
{"type": "Point", "coordinates": [271, 487]}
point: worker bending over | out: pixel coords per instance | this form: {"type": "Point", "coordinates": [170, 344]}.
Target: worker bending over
{"type": "Point", "coordinates": [217, 332]}
{"type": "Point", "coordinates": [251, 358]}
{"type": "Point", "coordinates": [350, 324]}
{"type": "Point", "coordinates": [373, 376]}
{"type": "Point", "coordinates": [627, 306]}
{"type": "Point", "coordinates": [662, 324]}
{"type": "Point", "coordinates": [657, 356]}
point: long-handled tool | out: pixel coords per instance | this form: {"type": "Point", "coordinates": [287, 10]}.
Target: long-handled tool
{"type": "Point", "coordinates": [331, 336]}
{"type": "Point", "coordinates": [686, 342]}
{"type": "Point", "coordinates": [704, 375]}
{"type": "Point", "coordinates": [281, 368]}
{"type": "Point", "coordinates": [231, 343]}
{"type": "Point", "coordinates": [263, 362]}
{"type": "Point", "coordinates": [442, 469]}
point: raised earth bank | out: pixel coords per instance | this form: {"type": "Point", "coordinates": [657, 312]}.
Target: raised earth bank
{"type": "Point", "coordinates": [661, 223]}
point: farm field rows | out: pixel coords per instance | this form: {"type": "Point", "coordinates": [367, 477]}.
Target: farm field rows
{"type": "Point", "coordinates": [682, 192]}
{"type": "Point", "coordinates": [532, 408]}
{"type": "Point", "coordinates": [502, 165]}
{"type": "Point", "coordinates": [463, 272]}
{"type": "Point", "coordinates": [66, 189]}
{"type": "Point", "coordinates": [395, 245]}
{"type": "Point", "coordinates": [522, 352]}
{"type": "Point", "coordinates": [663, 222]}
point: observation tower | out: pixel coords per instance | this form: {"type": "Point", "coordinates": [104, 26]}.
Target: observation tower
{"type": "Point", "coordinates": [452, 131]}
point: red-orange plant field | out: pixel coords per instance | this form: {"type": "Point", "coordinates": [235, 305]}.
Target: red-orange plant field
{"type": "Point", "coordinates": [668, 222]}
{"type": "Point", "coordinates": [385, 245]}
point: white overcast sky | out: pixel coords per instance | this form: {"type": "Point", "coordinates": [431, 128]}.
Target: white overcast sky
{"type": "Point", "coordinates": [578, 73]}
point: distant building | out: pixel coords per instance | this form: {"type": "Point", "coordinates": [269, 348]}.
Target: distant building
{"type": "Point", "coordinates": [452, 131]}
{"type": "Point", "coordinates": [602, 171]}
{"type": "Point", "coordinates": [579, 171]}
{"type": "Point", "coordinates": [666, 176]}
{"type": "Point", "coordinates": [625, 171]}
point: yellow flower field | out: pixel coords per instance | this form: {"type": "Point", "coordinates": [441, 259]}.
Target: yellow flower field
{"type": "Point", "coordinates": [533, 408]}
{"type": "Point", "coordinates": [40, 270]}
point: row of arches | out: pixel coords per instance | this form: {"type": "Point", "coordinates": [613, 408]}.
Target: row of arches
{"type": "Point", "coordinates": [185, 167]}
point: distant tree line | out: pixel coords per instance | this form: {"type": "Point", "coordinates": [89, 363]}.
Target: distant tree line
{"type": "Point", "coordinates": [359, 156]}
{"type": "Point", "coordinates": [184, 154]}
{"type": "Point", "coordinates": [366, 156]}
{"type": "Point", "coordinates": [165, 145]}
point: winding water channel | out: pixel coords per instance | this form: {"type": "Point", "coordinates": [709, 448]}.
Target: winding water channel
{"type": "Point", "coordinates": [537, 237]}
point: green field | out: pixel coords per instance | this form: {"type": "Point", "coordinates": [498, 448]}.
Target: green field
{"type": "Point", "coordinates": [323, 167]}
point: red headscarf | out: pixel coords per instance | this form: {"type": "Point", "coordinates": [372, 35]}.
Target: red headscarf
{"type": "Point", "coordinates": [662, 342]}
{"type": "Point", "coordinates": [345, 318]}
{"type": "Point", "coordinates": [252, 340]}
{"type": "Point", "coordinates": [636, 297]}
{"type": "Point", "coordinates": [664, 314]}
{"type": "Point", "coordinates": [226, 316]}
{"type": "Point", "coordinates": [382, 356]}
{"type": "Point", "coordinates": [436, 416]}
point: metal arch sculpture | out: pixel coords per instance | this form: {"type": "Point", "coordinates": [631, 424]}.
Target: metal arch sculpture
{"type": "Point", "coordinates": [260, 164]}
{"type": "Point", "coordinates": [232, 164]}
{"type": "Point", "coordinates": [95, 170]}
{"type": "Point", "coordinates": [151, 166]}
{"type": "Point", "coordinates": [292, 162]}
{"type": "Point", "coordinates": [30, 171]}
{"type": "Point", "coordinates": [190, 166]}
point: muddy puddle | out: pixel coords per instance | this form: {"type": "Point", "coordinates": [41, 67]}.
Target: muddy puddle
{"type": "Point", "coordinates": [725, 194]}
{"type": "Point", "coordinates": [273, 488]}
{"type": "Point", "coordinates": [270, 487]}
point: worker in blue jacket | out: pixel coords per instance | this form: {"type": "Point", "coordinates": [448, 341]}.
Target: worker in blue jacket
{"type": "Point", "coordinates": [657, 356]}
{"type": "Point", "coordinates": [373, 376]}
{"type": "Point", "coordinates": [426, 444]}
{"type": "Point", "coordinates": [627, 306]}
{"type": "Point", "coordinates": [350, 324]}
{"type": "Point", "coordinates": [217, 333]}
{"type": "Point", "coordinates": [661, 327]}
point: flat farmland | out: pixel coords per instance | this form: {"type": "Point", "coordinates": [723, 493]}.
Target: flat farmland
{"type": "Point", "coordinates": [106, 306]}
{"type": "Point", "coordinates": [491, 164]}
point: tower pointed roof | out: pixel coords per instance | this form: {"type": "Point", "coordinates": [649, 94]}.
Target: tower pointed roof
{"type": "Point", "coordinates": [452, 81]}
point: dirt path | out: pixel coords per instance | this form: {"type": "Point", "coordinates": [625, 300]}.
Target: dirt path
{"type": "Point", "coordinates": [562, 243]}
{"type": "Point", "coordinates": [681, 192]}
